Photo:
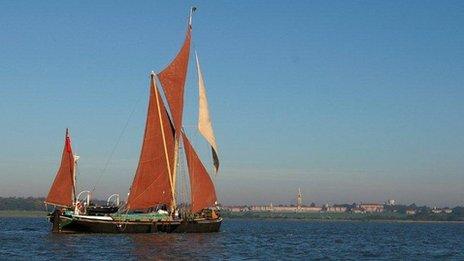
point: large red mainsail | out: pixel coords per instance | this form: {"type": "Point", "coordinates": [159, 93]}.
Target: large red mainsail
{"type": "Point", "coordinates": [172, 79]}
{"type": "Point", "coordinates": [62, 190]}
{"type": "Point", "coordinates": [203, 194]}
{"type": "Point", "coordinates": [152, 183]}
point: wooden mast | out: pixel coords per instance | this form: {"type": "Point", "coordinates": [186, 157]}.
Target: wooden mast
{"type": "Point", "coordinates": [176, 159]}
{"type": "Point", "coordinates": [177, 137]}
{"type": "Point", "coordinates": [75, 158]}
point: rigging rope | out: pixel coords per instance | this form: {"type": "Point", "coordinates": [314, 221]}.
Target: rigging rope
{"type": "Point", "coordinates": [117, 143]}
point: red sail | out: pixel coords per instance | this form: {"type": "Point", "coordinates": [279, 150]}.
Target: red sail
{"type": "Point", "coordinates": [203, 194]}
{"type": "Point", "coordinates": [172, 79]}
{"type": "Point", "coordinates": [62, 190]}
{"type": "Point", "coordinates": [151, 185]}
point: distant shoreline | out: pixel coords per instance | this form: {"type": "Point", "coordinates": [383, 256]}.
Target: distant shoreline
{"type": "Point", "coordinates": [345, 216]}
{"type": "Point", "coordinates": [317, 217]}
{"type": "Point", "coordinates": [350, 220]}
{"type": "Point", "coordinates": [23, 213]}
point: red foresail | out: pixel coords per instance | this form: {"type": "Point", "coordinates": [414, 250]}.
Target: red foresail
{"type": "Point", "coordinates": [62, 190]}
{"type": "Point", "coordinates": [172, 79]}
{"type": "Point", "coordinates": [152, 181]}
{"type": "Point", "coordinates": [203, 194]}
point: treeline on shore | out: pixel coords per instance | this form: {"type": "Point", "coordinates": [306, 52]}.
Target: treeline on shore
{"type": "Point", "coordinates": [22, 204]}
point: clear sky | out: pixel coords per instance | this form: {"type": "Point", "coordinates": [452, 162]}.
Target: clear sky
{"type": "Point", "coordinates": [351, 101]}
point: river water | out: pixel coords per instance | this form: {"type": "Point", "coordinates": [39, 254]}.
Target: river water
{"type": "Point", "coordinates": [30, 238]}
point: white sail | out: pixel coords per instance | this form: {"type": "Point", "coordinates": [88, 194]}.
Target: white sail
{"type": "Point", "coordinates": [204, 121]}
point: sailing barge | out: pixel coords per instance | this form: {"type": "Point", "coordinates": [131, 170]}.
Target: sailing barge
{"type": "Point", "coordinates": [151, 204]}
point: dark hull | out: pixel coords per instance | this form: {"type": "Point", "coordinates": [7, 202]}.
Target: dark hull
{"type": "Point", "coordinates": [100, 210]}
{"type": "Point", "coordinates": [63, 224]}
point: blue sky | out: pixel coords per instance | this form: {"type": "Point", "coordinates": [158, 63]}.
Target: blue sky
{"type": "Point", "coordinates": [359, 101]}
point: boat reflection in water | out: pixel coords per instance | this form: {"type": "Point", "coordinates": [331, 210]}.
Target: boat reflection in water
{"type": "Point", "coordinates": [168, 246]}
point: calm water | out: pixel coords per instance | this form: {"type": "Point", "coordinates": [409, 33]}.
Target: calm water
{"type": "Point", "coordinates": [26, 238]}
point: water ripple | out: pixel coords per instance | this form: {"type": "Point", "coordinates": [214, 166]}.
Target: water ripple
{"type": "Point", "coordinates": [30, 238]}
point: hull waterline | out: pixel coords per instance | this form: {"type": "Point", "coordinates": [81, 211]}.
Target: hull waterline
{"type": "Point", "coordinates": [65, 224]}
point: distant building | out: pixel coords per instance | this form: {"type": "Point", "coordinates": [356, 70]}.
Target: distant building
{"type": "Point", "coordinates": [410, 212]}
{"type": "Point", "coordinates": [390, 202]}
{"type": "Point", "coordinates": [447, 210]}
{"type": "Point", "coordinates": [310, 209]}
{"type": "Point", "coordinates": [436, 210]}
{"type": "Point", "coordinates": [237, 209]}
{"type": "Point", "coordinates": [371, 207]}
{"type": "Point", "coordinates": [357, 210]}
{"type": "Point", "coordinates": [285, 209]}
{"type": "Point", "coordinates": [262, 208]}
{"type": "Point", "coordinates": [299, 199]}
{"type": "Point", "coordinates": [334, 209]}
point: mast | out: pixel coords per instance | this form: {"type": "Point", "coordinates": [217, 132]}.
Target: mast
{"type": "Point", "coordinates": [171, 183]}
{"type": "Point", "coordinates": [177, 140]}
{"type": "Point", "coordinates": [184, 189]}
{"type": "Point", "coordinates": [176, 161]}
{"type": "Point", "coordinates": [75, 158]}
{"type": "Point", "coordinates": [172, 80]}
{"type": "Point", "coordinates": [192, 10]}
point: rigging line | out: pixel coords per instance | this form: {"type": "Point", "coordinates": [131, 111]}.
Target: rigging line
{"type": "Point", "coordinates": [117, 142]}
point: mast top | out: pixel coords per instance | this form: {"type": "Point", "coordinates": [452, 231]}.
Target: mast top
{"type": "Point", "coordinates": [192, 10]}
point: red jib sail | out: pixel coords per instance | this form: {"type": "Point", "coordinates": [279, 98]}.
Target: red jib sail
{"type": "Point", "coordinates": [203, 194]}
{"type": "Point", "coordinates": [152, 184]}
{"type": "Point", "coordinates": [172, 79]}
{"type": "Point", "coordinates": [62, 190]}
